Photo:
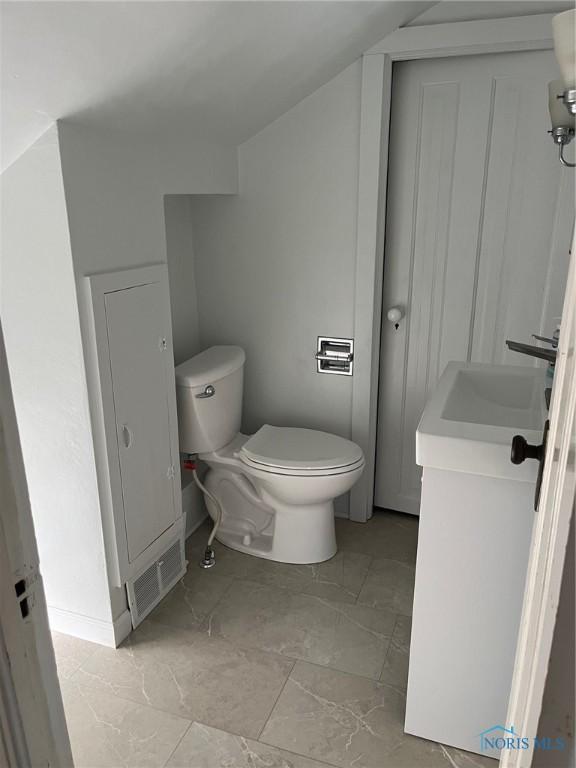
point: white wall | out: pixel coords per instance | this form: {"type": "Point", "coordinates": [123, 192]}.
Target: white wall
{"type": "Point", "coordinates": [183, 292]}
{"type": "Point", "coordinates": [42, 332]}
{"type": "Point", "coordinates": [185, 328]}
{"type": "Point", "coordinates": [127, 207]}
{"type": "Point", "coordinates": [275, 265]}
{"type": "Point", "coordinates": [115, 186]}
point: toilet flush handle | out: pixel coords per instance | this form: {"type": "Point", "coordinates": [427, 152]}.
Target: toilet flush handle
{"type": "Point", "coordinates": [208, 392]}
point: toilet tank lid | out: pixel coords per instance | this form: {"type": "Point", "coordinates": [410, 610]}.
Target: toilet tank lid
{"type": "Point", "coordinates": [209, 366]}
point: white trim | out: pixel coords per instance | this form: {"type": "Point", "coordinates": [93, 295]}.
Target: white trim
{"type": "Point", "coordinates": [32, 722]}
{"type": "Point", "coordinates": [110, 633]}
{"type": "Point", "coordinates": [373, 166]}
{"type": "Point", "coordinates": [458, 39]}
{"type": "Point", "coordinates": [520, 33]}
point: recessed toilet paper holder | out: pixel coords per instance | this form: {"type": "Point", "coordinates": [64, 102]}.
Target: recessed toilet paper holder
{"type": "Point", "coordinates": [335, 355]}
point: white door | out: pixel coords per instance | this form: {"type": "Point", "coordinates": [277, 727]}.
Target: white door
{"type": "Point", "coordinates": [479, 216]}
{"type": "Point", "coordinates": [141, 381]}
{"type": "Point", "coordinates": [547, 555]}
{"type": "Point", "coordinates": [32, 726]}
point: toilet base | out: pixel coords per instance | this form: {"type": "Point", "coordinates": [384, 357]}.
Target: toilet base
{"type": "Point", "coordinates": [258, 524]}
{"type": "Point", "coordinates": [302, 535]}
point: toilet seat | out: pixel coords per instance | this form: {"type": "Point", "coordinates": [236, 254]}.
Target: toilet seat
{"type": "Point", "coordinates": [300, 452]}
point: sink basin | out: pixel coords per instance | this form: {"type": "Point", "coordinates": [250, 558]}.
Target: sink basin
{"type": "Point", "coordinates": [495, 397]}
{"type": "Point", "coordinates": [473, 414]}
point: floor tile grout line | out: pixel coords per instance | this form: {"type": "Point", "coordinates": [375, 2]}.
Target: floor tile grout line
{"type": "Point", "coordinates": [180, 740]}
{"type": "Point", "coordinates": [191, 721]}
{"type": "Point", "coordinates": [291, 660]}
{"type": "Point", "coordinates": [254, 578]}
{"type": "Point", "coordinates": [364, 580]}
{"type": "Point", "coordinates": [204, 617]}
{"type": "Point", "coordinates": [66, 677]}
{"type": "Point", "coordinates": [305, 594]}
{"type": "Point", "coordinates": [297, 754]}
{"type": "Point", "coordinates": [249, 738]}
{"type": "Point", "coordinates": [234, 580]}
{"type": "Point", "coordinates": [388, 649]}
{"type": "Point", "coordinates": [289, 590]}
{"type": "Point", "coordinates": [257, 738]}
{"type": "Point", "coordinates": [222, 596]}
{"type": "Point", "coordinates": [261, 731]}
{"type": "Point", "coordinates": [142, 704]}
{"type": "Point", "coordinates": [76, 668]}
{"type": "Point", "coordinates": [397, 689]}
{"type": "Point", "coordinates": [204, 724]}
{"type": "Point", "coordinates": [247, 647]}
{"type": "Point", "coordinates": [284, 657]}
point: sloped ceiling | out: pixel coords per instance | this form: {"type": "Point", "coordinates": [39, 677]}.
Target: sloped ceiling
{"type": "Point", "coordinates": [211, 71]}
{"type": "Point", "coordinates": [471, 10]}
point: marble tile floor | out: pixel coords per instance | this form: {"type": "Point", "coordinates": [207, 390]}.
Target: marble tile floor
{"type": "Point", "coordinates": [255, 664]}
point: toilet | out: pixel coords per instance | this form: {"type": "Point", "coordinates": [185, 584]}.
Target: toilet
{"type": "Point", "coordinates": [276, 487]}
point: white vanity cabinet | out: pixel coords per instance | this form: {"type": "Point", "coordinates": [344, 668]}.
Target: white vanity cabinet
{"type": "Point", "coordinates": [133, 402]}
{"type": "Point", "coordinates": [476, 517]}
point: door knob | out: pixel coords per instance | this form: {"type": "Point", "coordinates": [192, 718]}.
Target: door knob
{"type": "Point", "coordinates": [522, 450]}
{"type": "Point", "coordinates": [394, 315]}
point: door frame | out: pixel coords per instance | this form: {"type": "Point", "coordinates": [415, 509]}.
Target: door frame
{"type": "Point", "coordinates": [522, 33]}
{"type": "Point", "coordinates": [33, 727]}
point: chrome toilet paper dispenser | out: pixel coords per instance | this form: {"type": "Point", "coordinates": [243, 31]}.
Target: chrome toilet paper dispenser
{"type": "Point", "coordinates": [335, 355]}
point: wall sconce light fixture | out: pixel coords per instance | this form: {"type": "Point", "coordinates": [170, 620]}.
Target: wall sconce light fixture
{"type": "Point", "coordinates": [562, 121]}
{"type": "Point", "coordinates": [562, 93]}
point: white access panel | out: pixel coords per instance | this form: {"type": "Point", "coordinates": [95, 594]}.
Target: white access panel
{"type": "Point", "coordinates": [138, 361]}
{"type": "Point", "coordinates": [130, 366]}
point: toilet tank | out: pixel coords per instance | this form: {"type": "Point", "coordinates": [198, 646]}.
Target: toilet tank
{"type": "Point", "coordinates": [209, 398]}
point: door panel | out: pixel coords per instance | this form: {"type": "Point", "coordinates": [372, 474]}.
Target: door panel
{"type": "Point", "coordinates": [138, 360]}
{"type": "Point", "coordinates": [473, 214]}
{"type": "Point", "coordinates": [520, 216]}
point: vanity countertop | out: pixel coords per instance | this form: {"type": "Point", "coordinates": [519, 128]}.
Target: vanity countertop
{"type": "Point", "coordinates": [473, 414]}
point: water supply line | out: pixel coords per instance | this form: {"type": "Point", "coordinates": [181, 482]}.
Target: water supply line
{"type": "Point", "coordinates": [209, 558]}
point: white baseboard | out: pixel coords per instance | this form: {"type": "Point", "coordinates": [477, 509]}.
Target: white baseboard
{"type": "Point", "coordinates": [122, 627]}
{"type": "Point", "coordinates": [110, 633]}
{"type": "Point", "coordinates": [195, 526]}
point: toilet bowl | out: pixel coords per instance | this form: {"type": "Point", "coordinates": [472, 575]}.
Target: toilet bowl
{"type": "Point", "coordinates": [276, 488]}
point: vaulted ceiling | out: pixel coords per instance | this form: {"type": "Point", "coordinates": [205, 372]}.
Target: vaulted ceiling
{"type": "Point", "coordinates": [211, 71]}
{"type": "Point", "coordinates": [216, 71]}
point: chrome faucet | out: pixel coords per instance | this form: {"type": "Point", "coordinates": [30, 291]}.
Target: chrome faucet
{"type": "Point", "coordinates": [534, 351]}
